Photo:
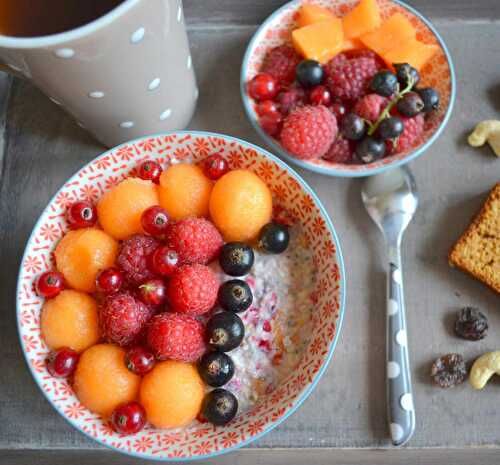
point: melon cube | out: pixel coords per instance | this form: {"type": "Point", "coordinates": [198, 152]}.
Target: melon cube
{"type": "Point", "coordinates": [396, 30]}
{"type": "Point", "coordinates": [363, 18]}
{"type": "Point", "coordinates": [411, 51]}
{"type": "Point", "coordinates": [310, 14]}
{"type": "Point", "coordinates": [319, 41]}
{"type": "Point", "coordinates": [351, 44]}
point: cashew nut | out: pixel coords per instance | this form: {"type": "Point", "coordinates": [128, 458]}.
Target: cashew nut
{"type": "Point", "coordinates": [486, 131]}
{"type": "Point", "coordinates": [484, 368]}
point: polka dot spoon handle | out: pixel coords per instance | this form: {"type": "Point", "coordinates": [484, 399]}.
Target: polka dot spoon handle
{"type": "Point", "coordinates": [391, 200]}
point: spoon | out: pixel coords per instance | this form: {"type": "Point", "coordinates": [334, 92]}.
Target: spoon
{"type": "Point", "coordinates": [391, 200]}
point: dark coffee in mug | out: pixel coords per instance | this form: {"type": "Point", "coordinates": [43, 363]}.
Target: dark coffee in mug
{"type": "Point", "coordinates": [34, 18]}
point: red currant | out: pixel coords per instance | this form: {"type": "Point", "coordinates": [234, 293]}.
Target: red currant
{"type": "Point", "coordinates": [320, 95]}
{"type": "Point", "coordinates": [164, 261]}
{"type": "Point", "coordinates": [153, 292]}
{"type": "Point", "coordinates": [271, 123]}
{"type": "Point", "coordinates": [339, 110]}
{"type": "Point", "coordinates": [128, 418]}
{"type": "Point", "coordinates": [81, 215]}
{"type": "Point", "coordinates": [109, 281]}
{"type": "Point", "coordinates": [150, 170]}
{"type": "Point", "coordinates": [140, 360]}
{"type": "Point", "coordinates": [215, 166]}
{"type": "Point", "coordinates": [263, 87]}
{"type": "Point", "coordinates": [155, 221]}
{"type": "Point", "coordinates": [267, 106]}
{"type": "Point", "coordinates": [49, 284]}
{"type": "Point", "coordinates": [62, 362]}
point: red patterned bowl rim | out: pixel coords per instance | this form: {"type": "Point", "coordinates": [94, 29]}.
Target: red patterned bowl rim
{"type": "Point", "coordinates": [336, 169]}
{"type": "Point", "coordinates": [341, 281]}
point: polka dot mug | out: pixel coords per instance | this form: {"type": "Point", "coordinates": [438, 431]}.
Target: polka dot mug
{"type": "Point", "coordinates": [126, 74]}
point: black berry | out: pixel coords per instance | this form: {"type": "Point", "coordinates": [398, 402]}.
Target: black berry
{"type": "Point", "coordinates": [236, 258]}
{"type": "Point", "coordinates": [353, 127]}
{"type": "Point", "coordinates": [471, 324]}
{"type": "Point", "coordinates": [407, 75]}
{"type": "Point", "coordinates": [448, 371]}
{"type": "Point", "coordinates": [411, 104]}
{"type": "Point", "coordinates": [384, 83]}
{"type": "Point", "coordinates": [370, 149]}
{"type": "Point", "coordinates": [430, 98]}
{"type": "Point", "coordinates": [216, 368]}
{"type": "Point", "coordinates": [219, 407]}
{"type": "Point", "coordinates": [235, 295]}
{"type": "Point", "coordinates": [309, 73]}
{"type": "Point", "coordinates": [390, 128]}
{"type": "Point", "coordinates": [274, 238]}
{"type": "Point", "coordinates": [225, 331]}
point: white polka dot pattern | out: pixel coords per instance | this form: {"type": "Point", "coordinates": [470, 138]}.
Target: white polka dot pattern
{"type": "Point", "coordinates": [138, 35]}
{"type": "Point", "coordinates": [166, 114]}
{"type": "Point", "coordinates": [406, 402]}
{"type": "Point", "coordinates": [396, 432]}
{"type": "Point", "coordinates": [96, 94]}
{"type": "Point", "coordinates": [396, 276]}
{"type": "Point", "coordinates": [189, 62]}
{"type": "Point", "coordinates": [179, 14]}
{"type": "Point", "coordinates": [401, 338]}
{"type": "Point", "coordinates": [127, 124]}
{"type": "Point", "coordinates": [393, 370]}
{"type": "Point", "coordinates": [65, 53]}
{"type": "Point", "coordinates": [154, 84]}
{"type": "Point", "coordinates": [392, 307]}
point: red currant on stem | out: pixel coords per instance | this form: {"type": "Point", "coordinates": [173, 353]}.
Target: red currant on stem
{"type": "Point", "coordinates": [49, 284]}
{"type": "Point", "coordinates": [150, 170]}
{"type": "Point", "coordinates": [128, 418]}
{"type": "Point", "coordinates": [164, 260]}
{"type": "Point", "coordinates": [271, 123]}
{"type": "Point", "coordinates": [267, 106]}
{"type": "Point", "coordinates": [263, 87]}
{"type": "Point", "coordinates": [109, 281]}
{"type": "Point", "coordinates": [81, 214]}
{"type": "Point", "coordinates": [320, 95]}
{"type": "Point", "coordinates": [215, 166]}
{"type": "Point", "coordinates": [140, 360]}
{"type": "Point", "coordinates": [153, 292]}
{"type": "Point", "coordinates": [155, 221]}
{"type": "Point", "coordinates": [62, 362]}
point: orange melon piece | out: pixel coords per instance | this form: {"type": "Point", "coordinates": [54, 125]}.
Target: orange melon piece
{"type": "Point", "coordinates": [363, 18]}
{"type": "Point", "coordinates": [396, 30]}
{"type": "Point", "coordinates": [319, 41]}
{"type": "Point", "coordinates": [70, 320]}
{"type": "Point", "coordinates": [310, 14]}
{"type": "Point", "coordinates": [82, 253]}
{"type": "Point", "coordinates": [351, 44]}
{"type": "Point", "coordinates": [411, 51]}
{"type": "Point", "coordinates": [120, 209]}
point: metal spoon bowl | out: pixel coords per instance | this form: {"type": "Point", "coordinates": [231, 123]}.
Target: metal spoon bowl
{"type": "Point", "coordinates": [391, 200]}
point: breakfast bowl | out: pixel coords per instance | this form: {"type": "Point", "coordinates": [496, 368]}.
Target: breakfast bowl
{"type": "Point", "coordinates": [320, 314]}
{"type": "Point", "coordinates": [437, 73]}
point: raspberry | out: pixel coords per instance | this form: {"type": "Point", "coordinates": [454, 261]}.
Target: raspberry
{"type": "Point", "coordinates": [350, 79]}
{"type": "Point", "coordinates": [280, 62]}
{"type": "Point", "coordinates": [414, 127]}
{"type": "Point", "coordinates": [370, 106]}
{"type": "Point", "coordinates": [196, 240]}
{"type": "Point", "coordinates": [338, 59]}
{"type": "Point", "coordinates": [123, 318]}
{"type": "Point", "coordinates": [308, 132]}
{"type": "Point", "coordinates": [366, 53]}
{"type": "Point", "coordinates": [340, 152]}
{"type": "Point", "coordinates": [291, 99]}
{"type": "Point", "coordinates": [133, 258]}
{"type": "Point", "coordinates": [193, 289]}
{"type": "Point", "coordinates": [176, 337]}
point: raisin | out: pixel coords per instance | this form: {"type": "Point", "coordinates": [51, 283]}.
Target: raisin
{"type": "Point", "coordinates": [471, 324]}
{"type": "Point", "coordinates": [449, 371]}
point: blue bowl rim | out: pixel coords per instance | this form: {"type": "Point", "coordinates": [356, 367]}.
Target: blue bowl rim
{"type": "Point", "coordinates": [333, 171]}
{"type": "Point", "coordinates": [305, 393]}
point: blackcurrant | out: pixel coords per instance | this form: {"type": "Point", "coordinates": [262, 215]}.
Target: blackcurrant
{"type": "Point", "coordinates": [370, 149]}
{"type": "Point", "coordinates": [309, 73]}
{"type": "Point", "coordinates": [353, 127]}
{"type": "Point", "coordinates": [384, 83]}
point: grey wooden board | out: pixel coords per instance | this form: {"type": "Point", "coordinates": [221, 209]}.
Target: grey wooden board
{"type": "Point", "coordinates": [43, 147]}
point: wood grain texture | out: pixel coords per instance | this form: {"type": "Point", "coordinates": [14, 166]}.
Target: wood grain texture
{"type": "Point", "coordinates": [44, 146]}
{"type": "Point", "coordinates": [254, 12]}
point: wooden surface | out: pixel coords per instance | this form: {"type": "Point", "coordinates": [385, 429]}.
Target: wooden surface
{"type": "Point", "coordinates": [43, 147]}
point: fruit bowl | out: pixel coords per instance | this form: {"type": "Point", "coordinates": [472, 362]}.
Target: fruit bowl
{"type": "Point", "coordinates": [290, 193]}
{"type": "Point", "coordinates": [437, 73]}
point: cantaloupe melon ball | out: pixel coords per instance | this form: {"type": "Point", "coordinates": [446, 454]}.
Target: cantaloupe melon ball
{"type": "Point", "coordinates": [82, 253]}
{"type": "Point", "coordinates": [70, 320]}
{"type": "Point", "coordinates": [172, 393]}
{"type": "Point", "coordinates": [102, 381]}
{"type": "Point", "coordinates": [119, 210]}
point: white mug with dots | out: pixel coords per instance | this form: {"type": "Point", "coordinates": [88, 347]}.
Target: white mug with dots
{"type": "Point", "coordinates": [121, 68]}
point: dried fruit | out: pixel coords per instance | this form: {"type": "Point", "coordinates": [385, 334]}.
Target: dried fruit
{"type": "Point", "coordinates": [449, 371]}
{"type": "Point", "coordinates": [471, 324]}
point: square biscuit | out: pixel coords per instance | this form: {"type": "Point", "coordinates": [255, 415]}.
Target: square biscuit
{"type": "Point", "coordinates": [477, 252]}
